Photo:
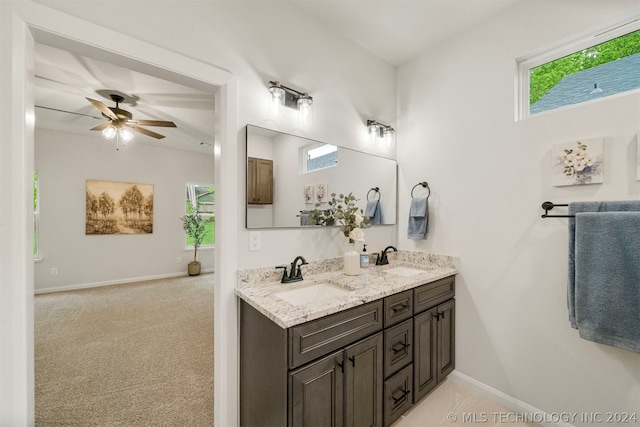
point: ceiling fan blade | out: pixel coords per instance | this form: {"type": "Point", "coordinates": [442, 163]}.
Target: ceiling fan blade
{"type": "Point", "coordinates": [146, 132]}
{"type": "Point", "coordinates": [103, 108]}
{"type": "Point", "coordinates": [69, 112]}
{"type": "Point", "coordinates": [152, 123]}
{"type": "Point", "coordinates": [101, 127]}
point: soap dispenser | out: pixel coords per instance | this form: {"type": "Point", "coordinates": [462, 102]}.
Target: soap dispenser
{"type": "Point", "coordinates": [364, 257]}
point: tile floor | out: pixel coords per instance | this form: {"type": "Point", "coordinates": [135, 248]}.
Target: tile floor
{"type": "Point", "coordinates": [451, 404]}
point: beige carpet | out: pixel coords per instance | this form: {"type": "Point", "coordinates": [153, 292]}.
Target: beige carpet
{"type": "Point", "coordinates": [126, 355]}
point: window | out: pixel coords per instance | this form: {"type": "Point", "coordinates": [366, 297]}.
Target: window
{"type": "Point", "coordinates": [318, 156]}
{"type": "Point", "coordinates": [203, 198]}
{"type": "Point", "coordinates": [594, 66]}
{"type": "Point", "coordinates": [36, 215]}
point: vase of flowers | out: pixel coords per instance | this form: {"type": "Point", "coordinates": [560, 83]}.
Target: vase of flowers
{"type": "Point", "coordinates": [343, 212]}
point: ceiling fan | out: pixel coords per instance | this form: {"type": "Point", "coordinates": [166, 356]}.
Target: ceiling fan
{"type": "Point", "coordinates": [121, 121]}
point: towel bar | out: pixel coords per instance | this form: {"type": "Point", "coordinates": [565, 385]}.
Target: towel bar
{"type": "Point", "coordinates": [547, 206]}
{"type": "Point", "coordinates": [424, 184]}
{"type": "Point", "coordinates": [377, 190]}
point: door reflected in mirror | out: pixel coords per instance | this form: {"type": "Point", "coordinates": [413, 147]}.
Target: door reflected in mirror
{"type": "Point", "coordinates": [287, 175]}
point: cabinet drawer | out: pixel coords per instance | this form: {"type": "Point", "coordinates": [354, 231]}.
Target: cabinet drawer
{"type": "Point", "coordinates": [398, 347]}
{"type": "Point", "coordinates": [319, 337]}
{"type": "Point", "coordinates": [398, 397]}
{"type": "Point", "coordinates": [431, 294]}
{"type": "Point", "coordinates": [398, 307]}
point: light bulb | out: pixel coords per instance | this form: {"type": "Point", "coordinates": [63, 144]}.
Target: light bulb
{"type": "Point", "coordinates": [277, 97]}
{"type": "Point", "coordinates": [125, 135]}
{"type": "Point", "coordinates": [388, 135]}
{"type": "Point", "coordinates": [305, 109]}
{"type": "Point", "coordinates": [109, 132]}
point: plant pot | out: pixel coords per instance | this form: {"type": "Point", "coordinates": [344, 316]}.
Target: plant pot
{"type": "Point", "coordinates": [193, 268]}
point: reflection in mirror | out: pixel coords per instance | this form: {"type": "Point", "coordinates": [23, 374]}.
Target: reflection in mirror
{"type": "Point", "coordinates": [287, 175]}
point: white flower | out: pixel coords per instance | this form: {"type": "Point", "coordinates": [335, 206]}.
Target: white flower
{"type": "Point", "coordinates": [359, 219]}
{"type": "Point", "coordinates": [357, 235]}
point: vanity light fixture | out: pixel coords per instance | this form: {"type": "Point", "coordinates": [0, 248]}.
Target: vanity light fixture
{"type": "Point", "coordinates": [282, 96]}
{"type": "Point", "coordinates": [380, 131]}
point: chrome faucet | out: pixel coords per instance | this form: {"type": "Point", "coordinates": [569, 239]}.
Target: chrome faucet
{"type": "Point", "coordinates": [382, 258]}
{"type": "Point", "coordinates": [295, 274]}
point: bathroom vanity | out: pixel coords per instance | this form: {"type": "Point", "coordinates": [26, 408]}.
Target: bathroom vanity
{"type": "Point", "coordinates": [360, 356]}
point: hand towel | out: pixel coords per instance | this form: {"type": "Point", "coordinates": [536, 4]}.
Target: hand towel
{"type": "Point", "coordinates": [373, 211]}
{"type": "Point", "coordinates": [574, 208]}
{"type": "Point", "coordinates": [418, 218]}
{"type": "Point", "coordinates": [607, 278]}
{"type": "Point", "coordinates": [304, 218]}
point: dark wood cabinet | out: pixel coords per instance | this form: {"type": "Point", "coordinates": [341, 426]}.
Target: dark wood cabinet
{"type": "Point", "coordinates": [364, 366]}
{"type": "Point", "coordinates": [434, 350]}
{"type": "Point", "coordinates": [259, 181]}
{"type": "Point", "coordinates": [363, 383]}
{"type": "Point", "coordinates": [316, 393]}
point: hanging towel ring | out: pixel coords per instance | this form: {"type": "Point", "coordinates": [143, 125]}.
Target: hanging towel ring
{"type": "Point", "coordinates": [377, 190]}
{"type": "Point", "coordinates": [424, 184]}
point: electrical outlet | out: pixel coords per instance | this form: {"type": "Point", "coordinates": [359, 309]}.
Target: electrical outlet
{"type": "Point", "coordinates": [54, 271]}
{"type": "Point", "coordinates": [255, 241]}
{"type": "Point", "coordinates": [179, 260]}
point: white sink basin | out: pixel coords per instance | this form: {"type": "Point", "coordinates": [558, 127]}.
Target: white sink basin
{"type": "Point", "coordinates": [404, 271]}
{"type": "Point", "coordinates": [312, 293]}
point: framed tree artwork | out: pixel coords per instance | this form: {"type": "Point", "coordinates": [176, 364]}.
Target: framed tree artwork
{"type": "Point", "coordinates": [118, 208]}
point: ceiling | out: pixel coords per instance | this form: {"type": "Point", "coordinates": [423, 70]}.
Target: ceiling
{"type": "Point", "coordinates": [63, 81]}
{"type": "Point", "coordinates": [399, 30]}
{"type": "Point", "coordinates": [394, 30]}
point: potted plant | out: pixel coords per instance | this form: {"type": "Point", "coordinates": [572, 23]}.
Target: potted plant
{"type": "Point", "coordinates": [194, 225]}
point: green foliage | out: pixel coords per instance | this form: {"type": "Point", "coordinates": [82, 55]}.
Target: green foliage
{"type": "Point", "coordinates": [344, 212]}
{"type": "Point", "coordinates": [195, 227]}
{"type": "Point", "coordinates": [546, 76]}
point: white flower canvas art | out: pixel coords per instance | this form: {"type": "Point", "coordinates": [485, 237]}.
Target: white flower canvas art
{"type": "Point", "coordinates": [321, 193]}
{"type": "Point", "coordinates": [578, 162]}
{"type": "Point", "coordinates": [308, 194]}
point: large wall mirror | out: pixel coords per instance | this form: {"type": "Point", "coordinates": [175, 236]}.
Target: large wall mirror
{"type": "Point", "coordinates": [287, 175]}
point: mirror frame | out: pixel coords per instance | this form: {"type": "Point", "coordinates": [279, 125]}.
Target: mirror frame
{"type": "Point", "coordinates": [393, 197]}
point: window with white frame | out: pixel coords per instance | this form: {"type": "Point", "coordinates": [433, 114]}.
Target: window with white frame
{"type": "Point", "coordinates": [202, 198]}
{"type": "Point", "coordinates": [317, 156]}
{"type": "Point", "coordinates": [593, 66]}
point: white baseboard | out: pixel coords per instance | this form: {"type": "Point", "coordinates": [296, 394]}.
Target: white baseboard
{"type": "Point", "coordinates": [511, 403]}
{"type": "Point", "coordinates": [112, 282]}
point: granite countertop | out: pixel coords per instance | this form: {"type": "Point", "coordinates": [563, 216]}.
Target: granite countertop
{"type": "Point", "coordinates": [258, 287]}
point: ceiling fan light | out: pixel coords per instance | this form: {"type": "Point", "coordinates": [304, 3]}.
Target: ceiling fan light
{"type": "Point", "coordinates": [109, 132]}
{"type": "Point", "coordinates": [125, 134]}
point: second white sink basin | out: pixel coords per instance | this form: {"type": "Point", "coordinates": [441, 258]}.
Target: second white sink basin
{"type": "Point", "coordinates": [312, 293]}
{"type": "Point", "coordinates": [404, 271]}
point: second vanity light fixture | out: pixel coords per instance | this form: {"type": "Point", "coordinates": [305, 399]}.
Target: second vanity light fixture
{"type": "Point", "coordinates": [379, 130]}
{"type": "Point", "coordinates": [282, 96]}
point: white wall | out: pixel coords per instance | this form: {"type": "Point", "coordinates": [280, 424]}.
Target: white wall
{"type": "Point", "coordinates": [488, 177]}
{"type": "Point", "coordinates": [64, 163]}
{"type": "Point", "coordinates": [348, 85]}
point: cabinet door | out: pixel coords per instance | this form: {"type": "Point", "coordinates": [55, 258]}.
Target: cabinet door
{"type": "Point", "coordinates": [317, 393]}
{"type": "Point", "coordinates": [446, 339]}
{"type": "Point", "coordinates": [260, 181]}
{"type": "Point", "coordinates": [424, 358]}
{"type": "Point", "coordinates": [363, 387]}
